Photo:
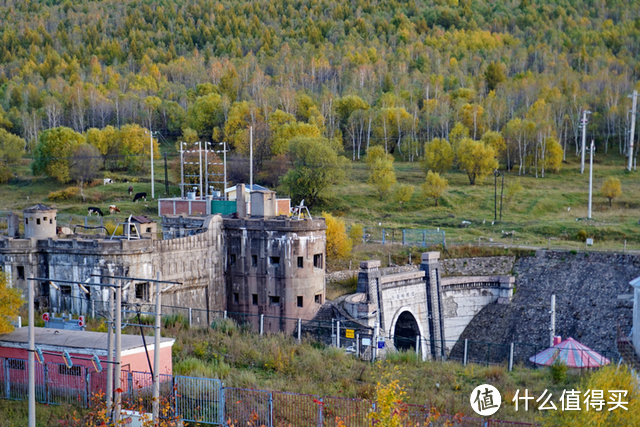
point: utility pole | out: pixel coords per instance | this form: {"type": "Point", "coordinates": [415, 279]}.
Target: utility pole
{"type": "Point", "coordinates": [584, 138]}
{"type": "Point", "coordinates": [118, 381]}
{"type": "Point", "coordinates": [495, 196]}
{"type": "Point", "coordinates": [156, 357]}
{"type": "Point", "coordinates": [182, 170]}
{"type": "Point", "coordinates": [590, 177]}
{"type": "Point", "coordinates": [250, 159]}
{"type": "Point", "coordinates": [151, 145]}
{"type": "Point", "coordinates": [633, 126]}
{"type": "Point", "coordinates": [110, 353]}
{"type": "Point", "coordinates": [166, 175]}
{"type": "Point", "coordinates": [32, 367]}
{"type": "Point", "coordinates": [200, 165]}
{"type": "Point", "coordinates": [552, 327]}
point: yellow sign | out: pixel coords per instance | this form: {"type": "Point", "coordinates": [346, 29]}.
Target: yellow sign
{"type": "Point", "coordinates": [350, 333]}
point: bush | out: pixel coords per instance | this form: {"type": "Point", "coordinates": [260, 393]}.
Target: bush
{"type": "Point", "coordinates": [69, 193]}
{"type": "Point", "coordinates": [581, 236]}
{"type": "Point", "coordinates": [5, 174]}
{"type": "Point", "coordinates": [226, 326]}
{"type": "Point", "coordinates": [558, 371]}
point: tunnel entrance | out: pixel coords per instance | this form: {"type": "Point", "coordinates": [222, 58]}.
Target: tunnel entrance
{"type": "Point", "coordinates": [404, 334]}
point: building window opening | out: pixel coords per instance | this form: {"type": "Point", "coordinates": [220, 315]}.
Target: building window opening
{"type": "Point", "coordinates": [50, 221]}
{"type": "Point", "coordinates": [38, 221]}
{"type": "Point", "coordinates": [232, 259]}
{"type": "Point", "coordinates": [20, 272]}
{"type": "Point", "coordinates": [236, 298]}
{"type": "Point", "coordinates": [300, 262]}
{"type": "Point", "coordinates": [254, 299]}
{"type": "Point", "coordinates": [274, 300]}
{"type": "Point", "coordinates": [142, 291]}
{"type": "Point", "coordinates": [274, 261]}
{"type": "Point", "coordinates": [318, 299]}
{"type": "Point", "coordinates": [26, 220]}
{"type": "Point", "coordinates": [254, 260]}
{"type": "Point", "coordinates": [317, 261]}
{"type": "Point", "coordinates": [45, 218]}
{"type": "Point", "coordinates": [300, 301]}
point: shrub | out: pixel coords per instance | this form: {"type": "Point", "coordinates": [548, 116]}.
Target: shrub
{"type": "Point", "coordinates": [581, 235]}
{"type": "Point", "coordinates": [5, 174]}
{"type": "Point", "coordinates": [69, 193]}
{"type": "Point", "coordinates": [558, 371]}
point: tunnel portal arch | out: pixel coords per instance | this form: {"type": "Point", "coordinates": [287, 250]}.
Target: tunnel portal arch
{"type": "Point", "coordinates": [405, 329]}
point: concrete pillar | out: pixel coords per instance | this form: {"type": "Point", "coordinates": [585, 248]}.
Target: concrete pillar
{"type": "Point", "coordinates": [13, 225]}
{"type": "Point", "coordinates": [241, 206]}
{"type": "Point", "coordinates": [431, 266]}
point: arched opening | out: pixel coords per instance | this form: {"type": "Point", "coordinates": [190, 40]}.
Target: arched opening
{"type": "Point", "coordinates": [405, 332]}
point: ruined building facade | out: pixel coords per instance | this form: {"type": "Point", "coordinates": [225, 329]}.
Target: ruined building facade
{"type": "Point", "coordinates": [220, 262]}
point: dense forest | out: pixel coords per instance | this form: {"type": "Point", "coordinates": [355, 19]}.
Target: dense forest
{"type": "Point", "coordinates": [366, 72]}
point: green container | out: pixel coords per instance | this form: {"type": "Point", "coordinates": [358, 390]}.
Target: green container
{"type": "Point", "coordinates": [223, 207]}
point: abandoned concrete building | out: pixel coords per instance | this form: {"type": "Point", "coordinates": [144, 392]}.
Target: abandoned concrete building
{"type": "Point", "coordinates": [258, 264]}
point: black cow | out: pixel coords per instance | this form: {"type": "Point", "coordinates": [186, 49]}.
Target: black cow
{"type": "Point", "coordinates": [139, 196]}
{"type": "Point", "coordinates": [93, 210]}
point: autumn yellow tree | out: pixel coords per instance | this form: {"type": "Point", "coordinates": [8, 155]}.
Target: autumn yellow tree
{"type": "Point", "coordinates": [403, 193]}
{"type": "Point", "coordinates": [390, 409]}
{"type": "Point", "coordinates": [611, 189]}
{"type": "Point", "coordinates": [356, 232]}
{"type": "Point", "coordinates": [476, 159]}
{"type": "Point", "coordinates": [381, 172]}
{"type": "Point", "coordinates": [608, 379]}
{"type": "Point", "coordinates": [338, 242]}
{"type": "Point", "coordinates": [438, 155]}
{"type": "Point", "coordinates": [10, 302]}
{"type": "Point", "coordinates": [434, 186]}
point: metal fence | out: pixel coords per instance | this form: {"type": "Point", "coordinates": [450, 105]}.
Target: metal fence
{"type": "Point", "coordinates": [207, 401]}
{"type": "Point", "coordinates": [404, 236]}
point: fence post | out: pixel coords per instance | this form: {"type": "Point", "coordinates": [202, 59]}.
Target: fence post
{"type": "Point", "coordinates": [424, 238]}
{"type": "Point", "coordinates": [174, 380]}
{"type": "Point", "coordinates": [466, 347]}
{"type": "Point", "coordinates": [47, 391]}
{"type": "Point", "coordinates": [403, 237]}
{"type": "Point", "coordinates": [86, 392]}
{"type": "Point", "coordinates": [261, 324]}
{"type": "Point", "coordinates": [417, 345]}
{"type": "Point", "coordinates": [299, 330]}
{"type": "Point", "coordinates": [130, 384]}
{"type": "Point", "coordinates": [511, 358]}
{"type": "Point", "coordinates": [222, 401]}
{"type": "Point", "coordinates": [320, 413]}
{"type": "Point", "coordinates": [93, 309]}
{"type": "Point", "coordinates": [383, 235]}
{"type": "Point", "coordinates": [225, 314]}
{"type": "Point", "coordinates": [270, 409]}
{"type": "Point", "coordinates": [338, 334]}
{"type": "Point", "coordinates": [7, 389]}
{"type": "Point", "coordinates": [190, 316]}
{"type": "Point", "coordinates": [358, 346]}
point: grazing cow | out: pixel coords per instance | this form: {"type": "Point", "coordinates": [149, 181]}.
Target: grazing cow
{"type": "Point", "coordinates": [93, 210]}
{"type": "Point", "coordinates": [107, 181]}
{"type": "Point", "coordinates": [113, 209]}
{"type": "Point", "coordinates": [131, 190]}
{"type": "Point", "coordinates": [139, 196]}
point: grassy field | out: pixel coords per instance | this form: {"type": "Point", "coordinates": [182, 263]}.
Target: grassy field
{"type": "Point", "coordinates": [16, 413]}
{"type": "Point", "coordinates": [277, 362]}
{"type": "Point", "coordinates": [549, 211]}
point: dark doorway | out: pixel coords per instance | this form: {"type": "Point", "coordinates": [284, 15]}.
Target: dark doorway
{"type": "Point", "coordinates": [404, 335]}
